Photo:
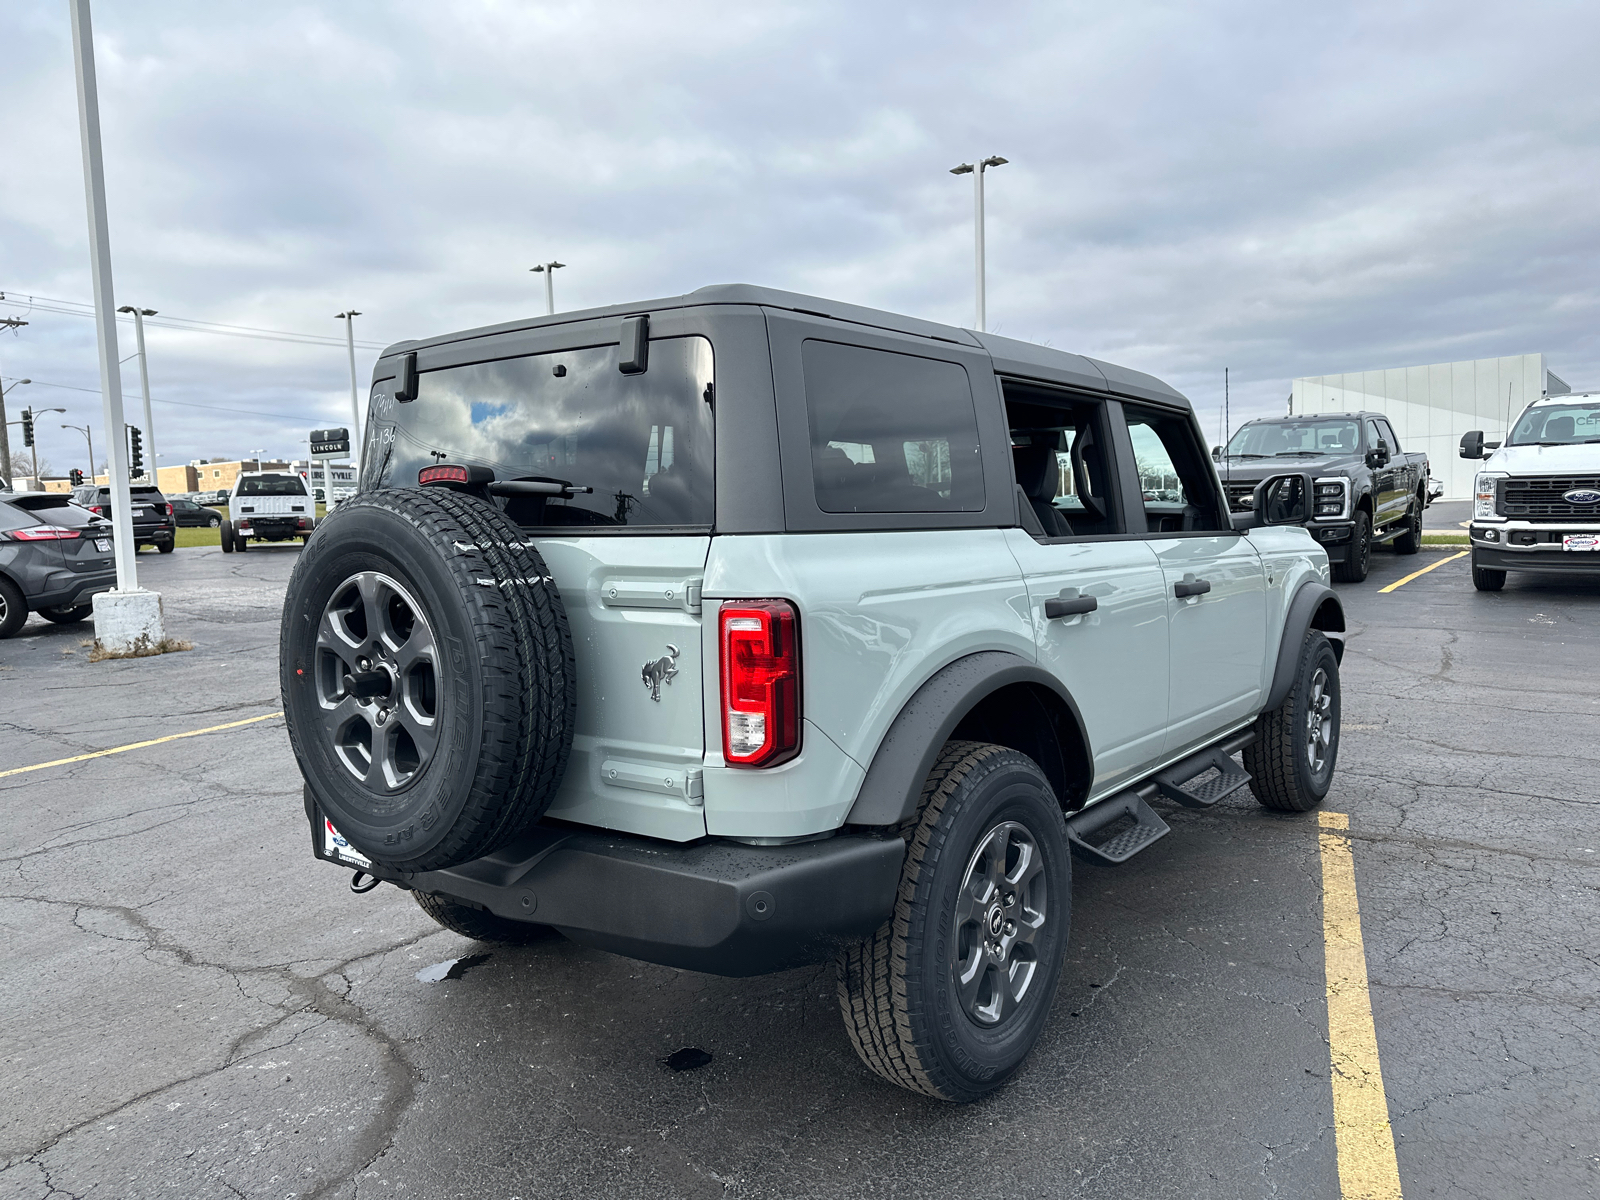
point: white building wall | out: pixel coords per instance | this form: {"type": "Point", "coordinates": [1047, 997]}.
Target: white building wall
{"type": "Point", "coordinates": [1430, 407]}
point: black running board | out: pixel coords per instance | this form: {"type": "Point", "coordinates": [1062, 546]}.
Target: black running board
{"type": "Point", "coordinates": [1200, 780]}
{"type": "Point", "coordinates": [1133, 826]}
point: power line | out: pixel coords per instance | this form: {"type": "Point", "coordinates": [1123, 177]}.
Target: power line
{"type": "Point", "coordinates": [249, 412]}
{"type": "Point", "coordinates": [78, 308]}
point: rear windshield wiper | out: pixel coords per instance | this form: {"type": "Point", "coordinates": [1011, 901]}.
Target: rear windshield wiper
{"type": "Point", "coordinates": [537, 487]}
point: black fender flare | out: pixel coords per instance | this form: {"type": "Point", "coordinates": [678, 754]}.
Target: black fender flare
{"type": "Point", "coordinates": [893, 783]}
{"type": "Point", "coordinates": [1314, 606]}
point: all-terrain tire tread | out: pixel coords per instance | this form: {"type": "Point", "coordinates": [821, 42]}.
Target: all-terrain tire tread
{"type": "Point", "coordinates": [1273, 758]}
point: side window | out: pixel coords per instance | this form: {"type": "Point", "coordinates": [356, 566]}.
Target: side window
{"type": "Point", "coordinates": [1373, 436]}
{"type": "Point", "coordinates": [1389, 437]}
{"type": "Point", "coordinates": [890, 432]}
{"type": "Point", "coordinates": [1175, 478]}
{"type": "Point", "coordinates": [1061, 453]}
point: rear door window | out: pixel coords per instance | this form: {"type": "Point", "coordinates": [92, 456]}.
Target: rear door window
{"type": "Point", "coordinates": [890, 433]}
{"type": "Point", "coordinates": [642, 443]}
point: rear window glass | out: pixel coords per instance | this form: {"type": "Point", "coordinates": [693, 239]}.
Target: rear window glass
{"type": "Point", "coordinates": [890, 432]}
{"type": "Point", "coordinates": [642, 442]}
{"type": "Point", "coordinates": [272, 485]}
{"type": "Point", "coordinates": [56, 510]}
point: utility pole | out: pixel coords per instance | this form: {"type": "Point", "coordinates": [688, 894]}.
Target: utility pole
{"type": "Point", "coordinates": [994, 160]}
{"type": "Point", "coordinates": [348, 317]}
{"type": "Point", "coordinates": [139, 314]}
{"type": "Point", "coordinates": [548, 270]}
{"type": "Point", "coordinates": [13, 324]}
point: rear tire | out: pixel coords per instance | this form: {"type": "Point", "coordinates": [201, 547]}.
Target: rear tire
{"type": "Point", "coordinates": [1410, 541]}
{"type": "Point", "coordinates": [482, 925]}
{"type": "Point", "coordinates": [1487, 579]}
{"type": "Point", "coordinates": [63, 615]}
{"type": "Point", "coordinates": [1297, 744]}
{"type": "Point", "coordinates": [13, 608]}
{"type": "Point", "coordinates": [1358, 558]}
{"type": "Point", "coordinates": [931, 1000]}
{"type": "Point", "coordinates": [167, 547]}
{"type": "Point", "coordinates": [227, 537]}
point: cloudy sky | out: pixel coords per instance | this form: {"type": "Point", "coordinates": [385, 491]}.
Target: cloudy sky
{"type": "Point", "coordinates": [1282, 190]}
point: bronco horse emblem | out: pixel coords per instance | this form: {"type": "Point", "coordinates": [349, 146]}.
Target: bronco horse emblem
{"type": "Point", "coordinates": [662, 670]}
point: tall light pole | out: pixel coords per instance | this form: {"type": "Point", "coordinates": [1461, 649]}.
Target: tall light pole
{"type": "Point", "coordinates": [548, 270]}
{"type": "Point", "coordinates": [84, 429]}
{"type": "Point", "coordinates": [994, 160]}
{"type": "Point", "coordinates": [6, 475]}
{"type": "Point", "coordinates": [349, 319]}
{"type": "Point", "coordinates": [139, 314]}
{"type": "Point", "coordinates": [94, 185]}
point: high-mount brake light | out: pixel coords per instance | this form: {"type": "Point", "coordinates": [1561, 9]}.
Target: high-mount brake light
{"type": "Point", "coordinates": [441, 475]}
{"type": "Point", "coordinates": [759, 642]}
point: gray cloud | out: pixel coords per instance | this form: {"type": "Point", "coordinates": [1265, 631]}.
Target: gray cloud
{"type": "Point", "coordinates": [1280, 191]}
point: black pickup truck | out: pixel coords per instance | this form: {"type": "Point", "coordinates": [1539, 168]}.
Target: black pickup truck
{"type": "Point", "coordinates": [1367, 489]}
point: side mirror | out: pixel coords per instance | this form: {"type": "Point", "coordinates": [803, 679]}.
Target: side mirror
{"type": "Point", "coordinates": [1472, 444]}
{"type": "Point", "coordinates": [1379, 456]}
{"type": "Point", "coordinates": [1216, 454]}
{"type": "Point", "coordinates": [1283, 499]}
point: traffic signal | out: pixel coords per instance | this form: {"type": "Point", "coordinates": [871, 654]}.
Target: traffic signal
{"type": "Point", "coordinates": [27, 427]}
{"type": "Point", "coordinates": [135, 452]}
{"type": "Point", "coordinates": [75, 477]}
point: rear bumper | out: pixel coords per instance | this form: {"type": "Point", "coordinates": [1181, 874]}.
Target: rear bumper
{"type": "Point", "coordinates": [80, 590]}
{"type": "Point", "coordinates": [713, 906]}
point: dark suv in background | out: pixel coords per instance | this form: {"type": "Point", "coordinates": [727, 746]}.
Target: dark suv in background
{"type": "Point", "coordinates": [54, 556]}
{"type": "Point", "coordinates": [153, 523]}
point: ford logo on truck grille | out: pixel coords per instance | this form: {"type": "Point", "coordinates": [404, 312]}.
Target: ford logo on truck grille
{"type": "Point", "coordinates": [1581, 496]}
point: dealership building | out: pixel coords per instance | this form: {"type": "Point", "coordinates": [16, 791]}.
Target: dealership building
{"type": "Point", "coordinates": [1431, 407]}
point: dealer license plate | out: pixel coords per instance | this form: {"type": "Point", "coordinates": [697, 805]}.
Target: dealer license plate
{"type": "Point", "coordinates": [103, 545]}
{"type": "Point", "coordinates": [1581, 541]}
{"type": "Point", "coordinates": [335, 846]}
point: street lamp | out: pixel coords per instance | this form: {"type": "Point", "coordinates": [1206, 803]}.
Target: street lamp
{"type": "Point", "coordinates": [84, 429]}
{"type": "Point", "coordinates": [5, 437]}
{"type": "Point", "coordinates": [258, 454]}
{"type": "Point", "coordinates": [548, 270]}
{"type": "Point", "coordinates": [994, 160]}
{"type": "Point", "coordinates": [348, 317]}
{"type": "Point", "coordinates": [139, 314]}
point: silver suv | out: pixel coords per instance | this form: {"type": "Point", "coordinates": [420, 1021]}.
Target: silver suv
{"type": "Point", "coordinates": [743, 629]}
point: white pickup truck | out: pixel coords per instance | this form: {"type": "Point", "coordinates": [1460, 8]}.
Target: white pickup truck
{"type": "Point", "coordinates": [270, 506]}
{"type": "Point", "coordinates": [1536, 502]}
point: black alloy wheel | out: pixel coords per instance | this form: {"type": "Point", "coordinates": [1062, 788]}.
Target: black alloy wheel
{"type": "Point", "coordinates": [1410, 541]}
{"type": "Point", "coordinates": [1358, 556]}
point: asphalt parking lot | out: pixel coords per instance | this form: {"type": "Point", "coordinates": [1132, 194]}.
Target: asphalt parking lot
{"type": "Point", "coordinates": [192, 1006]}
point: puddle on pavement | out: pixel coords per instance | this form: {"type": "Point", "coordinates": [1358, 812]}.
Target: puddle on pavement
{"type": "Point", "coordinates": [690, 1058]}
{"type": "Point", "coordinates": [453, 968]}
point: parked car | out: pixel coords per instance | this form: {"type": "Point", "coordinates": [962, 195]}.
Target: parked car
{"type": "Point", "coordinates": [54, 556]}
{"type": "Point", "coordinates": [1368, 490]}
{"type": "Point", "coordinates": [1536, 503]}
{"type": "Point", "coordinates": [267, 506]}
{"type": "Point", "coordinates": [153, 523]}
{"type": "Point", "coordinates": [804, 649]}
{"type": "Point", "coordinates": [191, 513]}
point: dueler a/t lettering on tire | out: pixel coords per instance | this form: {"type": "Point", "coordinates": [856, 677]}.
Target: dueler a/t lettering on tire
{"type": "Point", "coordinates": [1291, 761]}
{"type": "Point", "coordinates": [949, 996]}
{"type": "Point", "coordinates": [427, 677]}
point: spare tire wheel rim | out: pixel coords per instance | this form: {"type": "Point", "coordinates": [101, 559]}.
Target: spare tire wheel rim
{"type": "Point", "coordinates": [1000, 914]}
{"type": "Point", "coordinates": [377, 682]}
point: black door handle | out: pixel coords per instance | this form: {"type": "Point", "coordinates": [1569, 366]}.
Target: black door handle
{"type": "Point", "coordinates": [1069, 606]}
{"type": "Point", "coordinates": [1191, 587]}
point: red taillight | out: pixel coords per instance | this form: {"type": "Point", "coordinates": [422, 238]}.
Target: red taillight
{"type": "Point", "coordinates": [168, 507]}
{"type": "Point", "coordinates": [760, 645]}
{"type": "Point", "coordinates": [442, 475]}
{"type": "Point", "coordinates": [98, 509]}
{"type": "Point", "coordinates": [50, 534]}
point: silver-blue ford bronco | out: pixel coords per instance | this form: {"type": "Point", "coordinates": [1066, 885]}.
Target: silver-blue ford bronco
{"type": "Point", "coordinates": [743, 630]}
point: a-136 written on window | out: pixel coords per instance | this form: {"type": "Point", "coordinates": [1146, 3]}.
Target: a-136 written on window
{"type": "Point", "coordinates": [890, 432]}
{"type": "Point", "coordinates": [642, 442]}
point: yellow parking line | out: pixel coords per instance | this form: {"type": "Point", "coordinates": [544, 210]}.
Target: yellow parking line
{"type": "Point", "coordinates": [1363, 1139]}
{"type": "Point", "coordinates": [171, 737]}
{"type": "Point", "coordinates": [1424, 571]}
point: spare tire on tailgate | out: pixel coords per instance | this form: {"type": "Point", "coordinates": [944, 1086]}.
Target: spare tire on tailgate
{"type": "Point", "coordinates": [427, 676]}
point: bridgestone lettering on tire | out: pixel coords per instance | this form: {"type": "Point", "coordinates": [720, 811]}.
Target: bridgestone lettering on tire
{"type": "Point", "coordinates": [427, 677]}
{"type": "Point", "coordinates": [1292, 759]}
{"type": "Point", "coordinates": [949, 996]}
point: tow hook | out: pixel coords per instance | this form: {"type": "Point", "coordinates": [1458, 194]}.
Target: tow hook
{"type": "Point", "coordinates": [358, 887]}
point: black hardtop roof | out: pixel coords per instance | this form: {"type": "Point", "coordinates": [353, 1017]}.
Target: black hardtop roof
{"type": "Point", "coordinates": [1010, 356]}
